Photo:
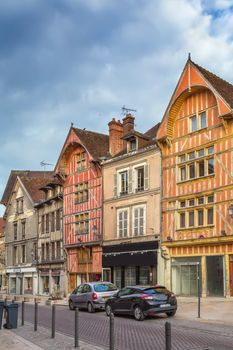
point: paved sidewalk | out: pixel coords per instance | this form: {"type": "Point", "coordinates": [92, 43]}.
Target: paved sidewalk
{"type": "Point", "coordinates": [24, 338]}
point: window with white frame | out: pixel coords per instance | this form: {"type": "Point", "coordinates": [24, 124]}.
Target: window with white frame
{"type": "Point", "coordinates": [198, 121]}
{"type": "Point", "coordinates": [139, 214]}
{"type": "Point", "coordinates": [123, 182]}
{"type": "Point", "coordinates": [196, 164]}
{"type": "Point", "coordinates": [122, 222]}
{"type": "Point", "coordinates": [140, 178]}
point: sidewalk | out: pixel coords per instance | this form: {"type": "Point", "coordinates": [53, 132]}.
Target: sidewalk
{"type": "Point", "coordinates": [24, 338]}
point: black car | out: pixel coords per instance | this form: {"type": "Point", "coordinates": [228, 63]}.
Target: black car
{"type": "Point", "coordinates": [142, 301]}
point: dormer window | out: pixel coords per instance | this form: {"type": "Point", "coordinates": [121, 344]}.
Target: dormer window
{"type": "Point", "coordinates": [133, 144]}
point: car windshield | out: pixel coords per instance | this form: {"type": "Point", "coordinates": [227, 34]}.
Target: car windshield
{"type": "Point", "coordinates": [156, 290]}
{"type": "Point", "coordinates": [104, 287]}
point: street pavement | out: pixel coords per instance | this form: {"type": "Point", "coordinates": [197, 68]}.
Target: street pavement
{"type": "Point", "coordinates": [214, 331]}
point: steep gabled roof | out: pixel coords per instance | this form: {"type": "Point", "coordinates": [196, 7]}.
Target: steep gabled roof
{"type": "Point", "coordinates": [97, 144]}
{"type": "Point", "coordinates": [224, 88]}
{"type": "Point", "coordinates": [30, 179]}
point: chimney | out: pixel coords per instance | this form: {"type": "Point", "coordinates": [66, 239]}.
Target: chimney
{"type": "Point", "coordinates": [128, 123]}
{"type": "Point", "coordinates": [116, 144]}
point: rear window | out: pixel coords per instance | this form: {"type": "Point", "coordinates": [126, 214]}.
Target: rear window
{"type": "Point", "coordinates": [104, 287]}
{"type": "Point", "coordinates": [151, 291]}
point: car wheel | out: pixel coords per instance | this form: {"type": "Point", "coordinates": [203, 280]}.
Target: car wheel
{"type": "Point", "coordinates": [171, 313]}
{"type": "Point", "coordinates": [138, 313]}
{"type": "Point", "coordinates": [108, 309]}
{"type": "Point", "coordinates": [71, 305]}
{"type": "Point", "coordinates": [90, 308]}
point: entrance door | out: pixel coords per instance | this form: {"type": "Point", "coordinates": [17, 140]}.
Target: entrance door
{"type": "Point", "coordinates": [231, 275]}
{"type": "Point", "coordinates": [73, 283]}
{"type": "Point", "coordinates": [214, 265]}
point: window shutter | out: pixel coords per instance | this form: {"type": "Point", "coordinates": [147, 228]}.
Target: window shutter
{"type": "Point", "coordinates": [146, 177]}
{"type": "Point", "coordinates": [115, 185]}
{"type": "Point", "coordinates": [130, 181]}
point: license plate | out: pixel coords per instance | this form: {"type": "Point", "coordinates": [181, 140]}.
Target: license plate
{"type": "Point", "coordinates": [105, 298]}
{"type": "Point", "coordinates": [165, 305]}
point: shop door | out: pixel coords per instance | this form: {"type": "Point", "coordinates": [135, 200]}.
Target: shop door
{"type": "Point", "coordinates": [231, 275]}
{"type": "Point", "coordinates": [214, 265]}
{"type": "Point", "coordinates": [184, 279]}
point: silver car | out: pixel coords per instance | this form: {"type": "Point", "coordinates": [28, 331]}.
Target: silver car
{"type": "Point", "coordinates": [91, 296]}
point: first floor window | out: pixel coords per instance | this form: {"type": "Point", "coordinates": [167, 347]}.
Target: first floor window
{"type": "Point", "coordinates": [210, 216]}
{"type": "Point", "coordinates": [123, 223]}
{"type": "Point", "coordinates": [210, 166]}
{"type": "Point", "coordinates": [139, 221]}
{"type": "Point", "coordinates": [200, 217]}
{"type": "Point", "coordinates": [191, 218]}
{"type": "Point", "coordinates": [192, 171]}
{"type": "Point", "coordinates": [183, 173]}
{"type": "Point", "coordinates": [182, 220]}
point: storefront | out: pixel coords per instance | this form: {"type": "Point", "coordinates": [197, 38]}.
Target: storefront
{"type": "Point", "coordinates": [52, 281]}
{"type": "Point", "coordinates": [130, 264]}
{"type": "Point", "coordinates": [22, 280]}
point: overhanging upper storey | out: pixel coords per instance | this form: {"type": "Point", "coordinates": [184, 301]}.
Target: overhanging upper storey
{"type": "Point", "coordinates": [195, 79]}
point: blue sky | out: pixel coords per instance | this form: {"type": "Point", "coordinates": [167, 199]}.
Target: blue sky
{"type": "Point", "coordinates": [80, 61]}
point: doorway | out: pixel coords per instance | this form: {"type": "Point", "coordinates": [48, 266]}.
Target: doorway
{"type": "Point", "coordinates": [215, 275]}
{"type": "Point", "coordinates": [231, 274]}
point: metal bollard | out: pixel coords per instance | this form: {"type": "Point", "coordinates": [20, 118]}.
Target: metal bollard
{"type": "Point", "coordinates": [35, 316]}
{"type": "Point", "coordinates": [76, 328]}
{"type": "Point", "coordinates": [22, 314]}
{"type": "Point", "coordinates": [168, 344]}
{"type": "Point", "coordinates": [53, 320]}
{"type": "Point", "coordinates": [111, 332]}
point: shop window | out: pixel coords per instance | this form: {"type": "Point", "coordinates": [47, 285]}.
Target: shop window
{"type": "Point", "coordinates": [45, 284]}
{"type": "Point", "coordinates": [130, 276]}
{"type": "Point", "coordinates": [144, 275]}
{"type": "Point", "coordinates": [12, 285]}
{"type": "Point", "coordinates": [215, 275]}
{"type": "Point", "coordinates": [122, 222]}
{"type": "Point", "coordinates": [28, 285]}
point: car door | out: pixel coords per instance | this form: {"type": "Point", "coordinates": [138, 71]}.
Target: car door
{"type": "Point", "coordinates": [86, 295]}
{"type": "Point", "coordinates": [78, 296]}
{"type": "Point", "coordinates": [123, 300]}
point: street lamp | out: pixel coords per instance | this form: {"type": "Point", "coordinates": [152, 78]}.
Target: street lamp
{"type": "Point", "coordinates": [230, 210]}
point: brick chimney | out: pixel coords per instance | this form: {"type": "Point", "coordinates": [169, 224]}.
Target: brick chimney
{"type": "Point", "coordinates": [116, 144]}
{"type": "Point", "coordinates": [128, 123]}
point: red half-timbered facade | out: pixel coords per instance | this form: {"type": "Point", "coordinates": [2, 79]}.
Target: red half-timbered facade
{"type": "Point", "coordinates": [196, 140]}
{"type": "Point", "coordinates": [79, 166]}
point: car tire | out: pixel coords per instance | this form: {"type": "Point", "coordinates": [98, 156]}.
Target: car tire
{"type": "Point", "coordinates": [71, 305]}
{"type": "Point", "coordinates": [90, 307]}
{"type": "Point", "coordinates": [108, 310]}
{"type": "Point", "coordinates": [171, 313]}
{"type": "Point", "coordinates": [138, 313]}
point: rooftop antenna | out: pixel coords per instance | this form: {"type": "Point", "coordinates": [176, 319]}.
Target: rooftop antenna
{"type": "Point", "coordinates": [44, 164]}
{"type": "Point", "coordinates": [126, 110]}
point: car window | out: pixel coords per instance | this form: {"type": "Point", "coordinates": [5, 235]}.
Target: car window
{"type": "Point", "coordinates": [155, 290]}
{"type": "Point", "coordinates": [125, 291]}
{"type": "Point", "coordinates": [104, 287]}
{"type": "Point", "coordinates": [75, 291]}
{"type": "Point", "coordinates": [80, 289]}
{"type": "Point", "coordinates": [86, 288]}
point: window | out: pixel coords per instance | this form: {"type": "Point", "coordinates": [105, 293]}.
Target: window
{"type": "Point", "coordinates": [198, 122]}
{"type": "Point", "coordinates": [192, 171]}
{"type": "Point", "coordinates": [58, 249]}
{"type": "Point", "coordinates": [80, 161]}
{"type": "Point", "coordinates": [15, 231]}
{"type": "Point", "coordinates": [140, 179]}
{"type": "Point", "coordinates": [47, 251]}
{"type": "Point", "coordinates": [193, 123]}
{"type": "Point", "coordinates": [201, 200]}
{"type": "Point", "coordinates": [191, 218]}
{"type": "Point", "coordinates": [122, 223]}
{"type": "Point", "coordinates": [210, 216]}
{"type": "Point", "coordinates": [42, 224]}
{"type": "Point", "coordinates": [23, 225]}
{"type": "Point", "coordinates": [82, 224]}
{"type": "Point", "coordinates": [182, 204]}
{"type": "Point", "coordinates": [201, 152]}
{"type": "Point", "coordinates": [52, 215]}
{"type": "Point", "coordinates": [210, 199]}
{"type": "Point", "coordinates": [23, 253]}
{"type": "Point", "coordinates": [139, 221]}
{"type": "Point", "coordinates": [34, 249]}
{"type": "Point", "coordinates": [210, 150]}
{"type": "Point", "coordinates": [191, 202]}
{"type": "Point", "coordinates": [182, 220]}
{"type": "Point", "coordinates": [123, 182]}
{"type": "Point", "coordinates": [200, 217]}
{"type": "Point", "coordinates": [19, 205]}
{"type": "Point", "coordinates": [133, 144]}
{"type": "Point", "coordinates": [201, 168]}
{"type": "Point", "coordinates": [182, 173]}
{"type": "Point", "coordinates": [47, 223]}
{"type": "Point", "coordinates": [42, 251]}
{"type": "Point", "coordinates": [81, 192]}
{"type": "Point", "coordinates": [58, 220]}
{"type": "Point", "coordinates": [182, 158]}
{"type": "Point", "coordinates": [15, 255]}
{"type": "Point", "coordinates": [210, 166]}
{"type": "Point", "coordinates": [191, 155]}
{"type": "Point", "coordinates": [53, 250]}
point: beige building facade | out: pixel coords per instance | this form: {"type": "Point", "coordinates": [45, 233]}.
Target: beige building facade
{"type": "Point", "coordinates": [131, 221]}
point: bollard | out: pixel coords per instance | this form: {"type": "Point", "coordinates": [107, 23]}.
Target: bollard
{"type": "Point", "coordinates": [168, 345]}
{"type": "Point", "coordinates": [22, 314]}
{"type": "Point", "coordinates": [35, 316]}
{"type": "Point", "coordinates": [111, 333]}
{"type": "Point", "coordinates": [76, 328]}
{"type": "Point", "coordinates": [53, 320]}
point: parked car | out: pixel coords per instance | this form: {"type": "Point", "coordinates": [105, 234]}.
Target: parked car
{"type": "Point", "coordinates": [142, 301]}
{"type": "Point", "coordinates": [91, 296]}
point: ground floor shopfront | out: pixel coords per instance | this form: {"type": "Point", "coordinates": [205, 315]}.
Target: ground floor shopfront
{"type": "Point", "coordinates": [84, 265]}
{"type": "Point", "coordinates": [22, 280]}
{"type": "Point", "coordinates": [130, 264]}
{"type": "Point", "coordinates": [211, 261]}
{"type": "Point", "coordinates": [52, 280]}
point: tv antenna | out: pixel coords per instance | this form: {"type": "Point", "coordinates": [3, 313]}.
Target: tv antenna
{"type": "Point", "coordinates": [126, 110]}
{"type": "Point", "coordinates": [44, 164]}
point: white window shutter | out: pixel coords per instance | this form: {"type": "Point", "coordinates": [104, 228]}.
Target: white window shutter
{"type": "Point", "coordinates": [115, 185]}
{"type": "Point", "coordinates": [146, 177]}
{"type": "Point", "coordinates": [130, 181]}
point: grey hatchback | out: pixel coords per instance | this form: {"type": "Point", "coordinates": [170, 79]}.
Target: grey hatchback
{"type": "Point", "coordinates": [91, 296]}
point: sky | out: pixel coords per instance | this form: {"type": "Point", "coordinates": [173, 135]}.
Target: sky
{"type": "Point", "coordinates": [80, 61]}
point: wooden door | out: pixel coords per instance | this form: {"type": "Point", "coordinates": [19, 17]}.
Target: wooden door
{"type": "Point", "coordinates": [72, 282]}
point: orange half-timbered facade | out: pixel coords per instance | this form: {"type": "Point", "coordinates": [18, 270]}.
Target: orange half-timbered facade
{"type": "Point", "coordinates": [79, 166]}
{"type": "Point", "coordinates": [196, 141]}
